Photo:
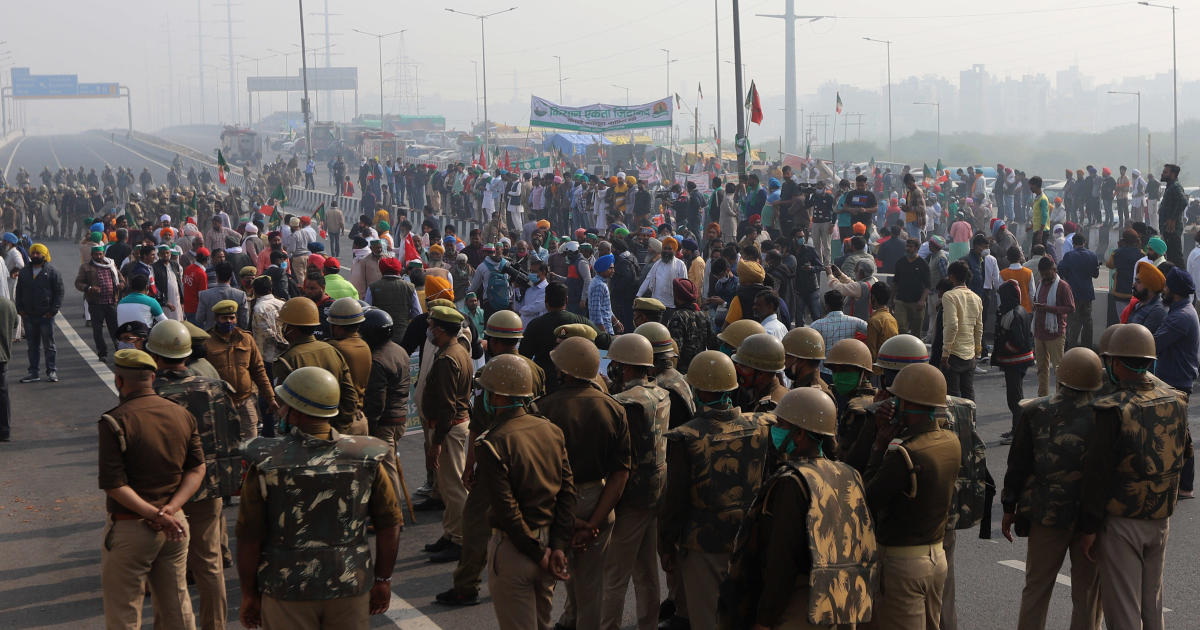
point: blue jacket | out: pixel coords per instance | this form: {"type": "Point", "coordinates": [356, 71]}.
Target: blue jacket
{"type": "Point", "coordinates": [1078, 267]}
{"type": "Point", "coordinates": [1178, 342]}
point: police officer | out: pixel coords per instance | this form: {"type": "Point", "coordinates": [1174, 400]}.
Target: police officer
{"type": "Point", "coordinates": [385, 402]}
{"type": "Point", "coordinates": [780, 577]}
{"type": "Point", "coordinates": [715, 465]}
{"type": "Point", "coordinates": [198, 360]}
{"type": "Point", "coordinates": [303, 557]}
{"type": "Point", "coordinates": [210, 402]}
{"type": "Point", "coordinates": [561, 334]}
{"type": "Point", "coordinates": [1131, 481]}
{"type": "Point", "coordinates": [971, 502]}
{"type": "Point", "coordinates": [503, 332]}
{"type": "Point", "coordinates": [526, 475]}
{"type": "Point", "coordinates": [1042, 491]}
{"type": "Point", "coordinates": [910, 481]}
{"type": "Point", "coordinates": [239, 362]}
{"type": "Point", "coordinates": [666, 355]}
{"type": "Point", "coordinates": [446, 401]}
{"type": "Point", "coordinates": [804, 350]}
{"type": "Point", "coordinates": [597, 437]}
{"type": "Point", "coordinates": [151, 463]}
{"type": "Point", "coordinates": [647, 309]}
{"type": "Point", "coordinates": [850, 361]}
{"type": "Point", "coordinates": [759, 360]}
{"type": "Point", "coordinates": [635, 533]}
{"type": "Point", "coordinates": [732, 335]}
{"type": "Point", "coordinates": [344, 317]}
{"type": "Point", "coordinates": [299, 319]}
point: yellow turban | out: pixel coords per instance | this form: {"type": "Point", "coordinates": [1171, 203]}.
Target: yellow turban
{"type": "Point", "coordinates": [437, 287]}
{"type": "Point", "coordinates": [38, 248]}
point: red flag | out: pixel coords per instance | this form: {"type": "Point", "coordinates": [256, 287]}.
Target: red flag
{"type": "Point", "coordinates": [507, 161]}
{"type": "Point", "coordinates": [755, 106]}
{"type": "Point", "coordinates": [267, 210]}
{"type": "Point", "coordinates": [482, 158]}
{"type": "Point", "coordinates": [410, 249]}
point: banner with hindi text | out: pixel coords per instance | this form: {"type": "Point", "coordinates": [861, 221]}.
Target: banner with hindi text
{"type": "Point", "coordinates": [598, 117]}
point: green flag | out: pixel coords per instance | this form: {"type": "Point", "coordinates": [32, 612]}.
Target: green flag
{"type": "Point", "coordinates": [319, 213]}
{"type": "Point", "coordinates": [280, 195]}
{"type": "Point", "coordinates": [222, 166]}
{"type": "Point", "coordinates": [926, 171]}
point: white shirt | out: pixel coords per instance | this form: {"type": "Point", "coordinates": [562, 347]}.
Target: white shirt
{"type": "Point", "coordinates": [991, 273]}
{"type": "Point", "coordinates": [534, 303]}
{"type": "Point", "coordinates": [660, 278]}
{"type": "Point", "coordinates": [774, 327]}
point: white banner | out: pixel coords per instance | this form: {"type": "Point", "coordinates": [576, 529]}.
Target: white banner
{"type": "Point", "coordinates": [701, 180]}
{"type": "Point", "coordinates": [599, 118]}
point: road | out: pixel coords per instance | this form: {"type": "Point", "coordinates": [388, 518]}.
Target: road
{"type": "Point", "coordinates": [52, 515]}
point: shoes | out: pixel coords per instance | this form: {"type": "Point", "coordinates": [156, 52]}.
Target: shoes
{"type": "Point", "coordinates": [666, 610]}
{"type": "Point", "coordinates": [454, 598]}
{"type": "Point", "coordinates": [52, 376]}
{"type": "Point", "coordinates": [451, 553]}
{"type": "Point", "coordinates": [31, 378]}
{"type": "Point", "coordinates": [437, 546]}
{"type": "Point", "coordinates": [980, 370]}
{"type": "Point", "coordinates": [429, 505]}
{"type": "Point", "coordinates": [424, 490]}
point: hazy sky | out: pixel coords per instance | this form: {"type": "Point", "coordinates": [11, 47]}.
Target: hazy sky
{"type": "Point", "coordinates": [601, 43]}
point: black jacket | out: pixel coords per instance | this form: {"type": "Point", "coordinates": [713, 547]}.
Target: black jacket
{"type": "Point", "coordinates": [39, 295]}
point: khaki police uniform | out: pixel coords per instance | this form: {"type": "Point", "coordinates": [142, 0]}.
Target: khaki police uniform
{"type": "Point", "coordinates": [446, 402]}
{"type": "Point", "coordinates": [307, 351]}
{"type": "Point", "coordinates": [146, 443]}
{"type": "Point", "coordinates": [597, 438]}
{"type": "Point", "coordinates": [526, 475]}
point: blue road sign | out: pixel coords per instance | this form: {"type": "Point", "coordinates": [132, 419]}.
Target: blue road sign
{"type": "Point", "coordinates": [26, 85]}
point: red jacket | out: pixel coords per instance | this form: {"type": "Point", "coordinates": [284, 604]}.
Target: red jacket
{"type": "Point", "coordinates": [195, 280]}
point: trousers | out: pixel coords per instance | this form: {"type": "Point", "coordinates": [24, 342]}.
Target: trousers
{"type": "Point", "coordinates": [341, 613]}
{"type": "Point", "coordinates": [702, 574]}
{"type": "Point", "coordinates": [1047, 546]}
{"type": "Point", "coordinates": [134, 555]}
{"type": "Point", "coordinates": [248, 417]}
{"type": "Point", "coordinates": [391, 433]}
{"type": "Point", "coordinates": [204, 560]}
{"type": "Point", "coordinates": [1079, 325]}
{"type": "Point", "coordinates": [475, 534]}
{"type": "Point", "coordinates": [949, 610]}
{"type": "Point", "coordinates": [103, 315]}
{"type": "Point", "coordinates": [821, 235]}
{"type": "Point", "coordinates": [39, 332]}
{"type": "Point", "coordinates": [960, 377]}
{"type": "Point", "coordinates": [522, 593]}
{"type": "Point", "coordinates": [1048, 353]}
{"type": "Point", "coordinates": [451, 463]}
{"type": "Point", "coordinates": [1132, 552]}
{"type": "Point", "coordinates": [909, 317]}
{"type": "Point", "coordinates": [911, 589]}
{"type": "Point", "coordinates": [633, 553]}
{"type": "Point", "coordinates": [585, 589]}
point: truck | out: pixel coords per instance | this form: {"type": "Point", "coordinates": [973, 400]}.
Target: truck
{"type": "Point", "coordinates": [384, 145]}
{"type": "Point", "coordinates": [240, 145]}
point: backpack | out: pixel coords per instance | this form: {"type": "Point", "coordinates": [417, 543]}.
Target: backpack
{"type": "Point", "coordinates": [497, 286]}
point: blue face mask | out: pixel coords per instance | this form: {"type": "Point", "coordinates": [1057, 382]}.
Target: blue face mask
{"type": "Point", "coordinates": [225, 327]}
{"type": "Point", "coordinates": [534, 279]}
{"type": "Point", "coordinates": [778, 436]}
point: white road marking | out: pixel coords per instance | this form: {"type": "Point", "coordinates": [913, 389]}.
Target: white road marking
{"type": "Point", "coordinates": [1060, 578]}
{"type": "Point", "coordinates": [403, 615]}
{"type": "Point", "coordinates": [143, 156]}
{"type": "Point", "coordinates": [13, 155]}
{"type": "Point", "coordinates": [105, 375]}
{"type": "Point", "coordinates": [54, 154]}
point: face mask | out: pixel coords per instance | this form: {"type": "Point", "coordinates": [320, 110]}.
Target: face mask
{"type": "Point", "coordinates": [779, 436]}
{"type": "Point", "coordinates": [534, 279]}
{"type": "Point", "coordinates": [225, 327]}
{"type": "Point", "coordinates": [725, 399]}
{"type": "Point", "coordinates": [125, 345]}
{"type": "Point", "coordinates": [845, 382]}
{"type": "Point", "coordinates": [37, 260]}
{"type": "Point", "coordinates": [283, 264]}
{"type": "Point", "coordinates": [283, 427]}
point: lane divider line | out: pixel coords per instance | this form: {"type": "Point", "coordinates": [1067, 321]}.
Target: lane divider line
{"type": "Point", "coordinates": [102, 372]}
{"type": "Point", "coordinates": [12, 155]}
{"type": "Point", "coordinates": [403, 615]}
{"type": "Point", "coordinates": [1060, 578]}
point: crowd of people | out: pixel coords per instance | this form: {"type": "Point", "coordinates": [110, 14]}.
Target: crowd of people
{"type": "Point", "coordinates": [766, 388]}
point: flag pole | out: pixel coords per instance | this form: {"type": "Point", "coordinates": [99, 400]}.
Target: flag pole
{"type": "Point", "coordinates": [737, 79]}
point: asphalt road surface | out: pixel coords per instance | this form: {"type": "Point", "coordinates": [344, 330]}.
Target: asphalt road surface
{"type": "Point", "coordinates": [52, 514]}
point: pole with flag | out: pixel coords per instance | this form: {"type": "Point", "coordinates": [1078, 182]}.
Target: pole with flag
{"type": "Point", "coordinates": [739, 140]}
{"type": "Point", "coordinates": [837, 109]}
{"type": "Point", "coordinates": [222, 166]}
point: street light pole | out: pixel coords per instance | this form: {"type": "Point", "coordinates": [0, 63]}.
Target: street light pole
{"type": "Point", "coordinates": [938, 105]}
{"type": "Point", "coordinates": [560, 79]}
{"type": "Point", "coordinates": [717, 37]}
{"type": "Point", "coordinates": [1138, 94]}
{"type": "Point", "coordinates": [483, 53]}
{"type": "Point", "coordinates": [304, 76]}
{"type": "Point", "coordinates": [379, 41]}
{"type": "Point", "coordinates": [1174, 73]}
{"type": "Point", "coordinates": [888, 43]}
{"type": "Point", "coordinates": [740, 143]}
{"type": "Point", "coordinates": [622, 87]}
